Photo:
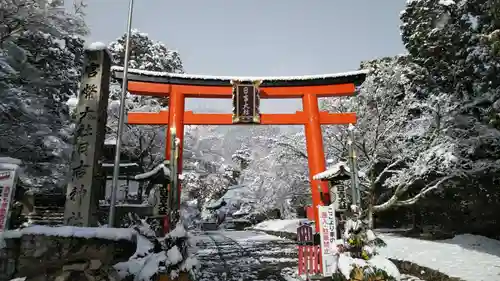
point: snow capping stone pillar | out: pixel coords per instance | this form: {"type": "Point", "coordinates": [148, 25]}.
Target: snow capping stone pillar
{"type": "Point", "coordinates": [91, 116]}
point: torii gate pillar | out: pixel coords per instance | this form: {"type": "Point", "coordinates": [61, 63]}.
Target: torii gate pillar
{"type": "Point", "coordinates": [176, 107]}
{"type": "Point", "coordinates": [315, 152]}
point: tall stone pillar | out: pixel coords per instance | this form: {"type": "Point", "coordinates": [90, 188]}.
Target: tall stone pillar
{"type": "Point", "coordinates": [91, 116]}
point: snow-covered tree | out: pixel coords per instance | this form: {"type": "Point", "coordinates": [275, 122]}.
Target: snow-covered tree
{"type": "Point", "coordinates": [277, 174]}
{"type": "Point", "coordinates": [242, 157]}
{"type": "Point", "coordinates": [456, 42]}
{"type": "Point", "coordinates": [207, 174]}
{"type": "Point", "coordinates": [145, 54]}
{"type": "Point", "coordinates": [144, 143]}
{"type": "Point", "coordinates": [399, 138]}
{"type": "Point", "coordinates": [41, 60]}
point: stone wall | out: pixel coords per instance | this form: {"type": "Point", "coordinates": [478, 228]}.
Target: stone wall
{"type": "Point", "coordinates": [33, 256]}
{"type": "Point", "coordinates": [422, 272]}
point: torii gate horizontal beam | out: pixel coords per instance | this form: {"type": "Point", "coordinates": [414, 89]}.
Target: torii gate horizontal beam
{"type": "Point", "coordinates": [190, 118]}
{"type": "Point", "coordinates": [162, 84]}
{"type": "Point", "coordinates": [226, 92]}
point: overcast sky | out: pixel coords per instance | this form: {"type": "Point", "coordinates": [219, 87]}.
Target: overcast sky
{"type": "Point", "coordinates": [259, 37]}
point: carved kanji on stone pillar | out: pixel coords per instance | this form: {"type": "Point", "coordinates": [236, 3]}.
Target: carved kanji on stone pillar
{"type": "Point", "coordinates": [91, 115]}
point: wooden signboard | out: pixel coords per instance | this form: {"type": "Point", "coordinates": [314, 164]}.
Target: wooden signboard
{"type": "Point", "coordinates": [8, 180]}
{"type": "Point", "coordinates": [340, 197]}
{"type": "Point", "coordinates": [328, 235]}
{"type": "Point", "coordinates": [246, 102]}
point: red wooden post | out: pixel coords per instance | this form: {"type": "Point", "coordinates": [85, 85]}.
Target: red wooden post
{"type": "Point", "coordinates": [315, 153]}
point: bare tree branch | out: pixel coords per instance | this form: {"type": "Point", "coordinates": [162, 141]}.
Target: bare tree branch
{"type": "Point", "coordinates": [386, 170]}
{"type": "Point", "coordinates": [394, 200]}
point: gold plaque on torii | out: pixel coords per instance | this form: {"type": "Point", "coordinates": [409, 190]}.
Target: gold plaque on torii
{"type": "Point", "coordinates": [246, 102]}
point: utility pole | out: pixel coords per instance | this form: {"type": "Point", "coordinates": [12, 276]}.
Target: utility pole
{"type": "Point", "coordinates": [121, 121]}
{"type": "Point", "coordinates": [356, 194]}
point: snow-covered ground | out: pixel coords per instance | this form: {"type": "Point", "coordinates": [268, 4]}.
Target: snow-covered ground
{"type": "Point", "coordinates": [279, 225]}
{"type": "Point", "coordinates": [470, 257]}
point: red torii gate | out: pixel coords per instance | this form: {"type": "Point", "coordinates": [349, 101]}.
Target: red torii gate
{"type": "Point", "coordinates": [178, 87]}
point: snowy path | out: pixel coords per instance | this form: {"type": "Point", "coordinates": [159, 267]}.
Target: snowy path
{"type": "Point", "coordinates": [249, 255]}
{"type": "Point", "coordinates": [243, 255]}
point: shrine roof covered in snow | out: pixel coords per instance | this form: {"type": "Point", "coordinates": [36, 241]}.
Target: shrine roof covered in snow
{"type": "Point", "coordinates": [137, 75]}
{"type": "Point", "coordinates": [159, 174]}
{"type": "Point", "coordinates": [338, 171]}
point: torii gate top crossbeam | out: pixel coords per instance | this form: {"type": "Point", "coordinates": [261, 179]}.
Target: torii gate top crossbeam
{"type": "Point", "coordinates": [204, 86]}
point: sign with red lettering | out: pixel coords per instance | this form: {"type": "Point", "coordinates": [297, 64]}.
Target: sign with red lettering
{"type": "Point", "coordinates": [7, 186]}
{"type": "Point", "coordinates": [328, 236]}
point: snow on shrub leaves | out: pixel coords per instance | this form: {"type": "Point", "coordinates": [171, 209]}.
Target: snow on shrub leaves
{"type": "Point", "coordinates": [171, 254]}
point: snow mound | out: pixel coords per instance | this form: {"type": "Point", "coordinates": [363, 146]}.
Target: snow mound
{"type": "Point", "coordinates": [385, 265]}
{"type": "Point", "coordinates": [8, 163]}
{"type": "Point", "coordinates": [346, 264]}
{"type": "Point", "coordinates": [72, 231]}
{"type": "Point", "coordinates": [446, 2]}
{"type": "Point", "coordinates": [72, 102]}
{"type": "Point", "coordinates": [476, 243]}
{"type": "Point", "coordinates": [10, 160]}
{"type": "Point", "coordinates": [96, 46]}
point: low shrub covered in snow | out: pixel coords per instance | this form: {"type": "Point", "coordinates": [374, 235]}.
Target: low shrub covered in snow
{"type": "Point", "coordinates": [357, 255]}
{"type": "Point", "coordinates": [172, 254]}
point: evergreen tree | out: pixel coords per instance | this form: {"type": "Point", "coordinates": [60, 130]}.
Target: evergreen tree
{"type": "Point", "coordinates": [41, 60]}
{"type": "Point", "coordinates": [457, 44]}
{"type": "Point", "coordinates": [145, 144]}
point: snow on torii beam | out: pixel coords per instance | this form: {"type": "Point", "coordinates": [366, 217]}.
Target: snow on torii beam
{"type": "Point", "coordinates": [180, 86]}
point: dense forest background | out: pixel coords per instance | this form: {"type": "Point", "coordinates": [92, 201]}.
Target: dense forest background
{"type": "Point", "coordinates": [428, 134]}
